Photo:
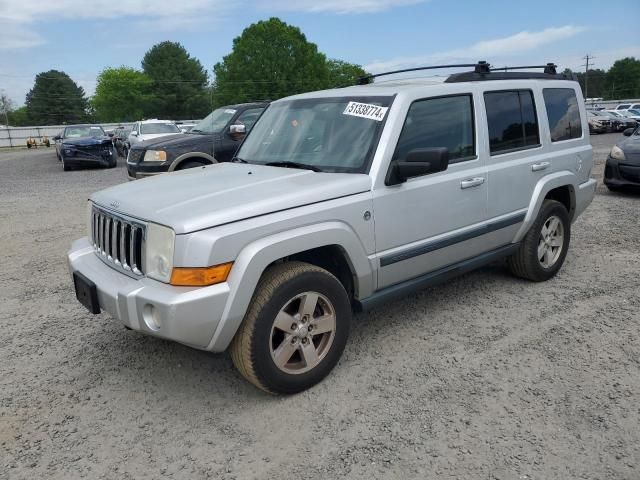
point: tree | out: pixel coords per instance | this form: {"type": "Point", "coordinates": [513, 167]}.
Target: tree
{"type": "Point", "coordinates": [343, 74]}
{"type": "Point", "coordinates": [269, 60]}
{"type": "Point", "coordinates": [179, 82]}
{"type": "Point", "coordinates": [623, 79]}
{"type": "Point", "coordinates": [6, 105]}
{"type": "Point", "coordinates": [18, 117]}
{"type": "Point", "coordinates": [55, 99]}
{"type": "Point", "coordinates": [122, 95]}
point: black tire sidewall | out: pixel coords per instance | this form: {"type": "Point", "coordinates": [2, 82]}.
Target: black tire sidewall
{"type": "Point", "coordinates": [268, 373]}
{"type": "Point", "coordinates": [549, 208]}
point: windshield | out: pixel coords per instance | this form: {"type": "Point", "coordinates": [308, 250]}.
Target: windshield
{"type": "Point", "coordinates": [331, 134]}
{"type": "Point", "coordinates": [215, 121]}
{"type": "Point", "coordinates": [156, 128]}
{"type": "Point", "coordinates": [77, 132]}
{"type": "Point", "coordinates": [634, 112]}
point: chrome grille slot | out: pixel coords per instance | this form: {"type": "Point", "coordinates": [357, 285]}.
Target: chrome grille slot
{"type": "Point", "coordinates": [118, 241]}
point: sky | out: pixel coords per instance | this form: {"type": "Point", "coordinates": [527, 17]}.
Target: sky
{"type": "Point", "coordinates": [81, 37]}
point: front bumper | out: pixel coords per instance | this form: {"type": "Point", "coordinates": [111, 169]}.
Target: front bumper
{"type": "Point", "coordinates": [142, 169]}
{"type": "Point", "coordinates": [182, 314]}
{"type": "Point", "coordinates": [621, 173]}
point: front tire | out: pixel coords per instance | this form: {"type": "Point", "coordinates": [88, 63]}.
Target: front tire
{"type": "Point", "coordinates": [295, 329]}
{"type": "Point", "coordinates": [65, 167]}
{"type": "Point", "coordinates": [544, 247]}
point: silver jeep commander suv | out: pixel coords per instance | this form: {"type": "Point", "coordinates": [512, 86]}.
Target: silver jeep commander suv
{"type": "Point", "coordinates": [338, 201]}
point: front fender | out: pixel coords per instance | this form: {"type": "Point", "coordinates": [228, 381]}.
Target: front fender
{"type": "Point", "coordinates": [257, 256]}
{"type": "Point", "coordinates": [544, 186]}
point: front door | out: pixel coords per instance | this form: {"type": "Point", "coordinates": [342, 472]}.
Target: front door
{"type": "Point", "coordinates": [435, 220]}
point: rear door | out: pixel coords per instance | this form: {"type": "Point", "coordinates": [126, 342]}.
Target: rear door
{"type": "Point", "coordinates": [515, 158]}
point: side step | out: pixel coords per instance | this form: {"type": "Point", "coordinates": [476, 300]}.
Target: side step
{"type": "Point", "coordinates": [413, 285]}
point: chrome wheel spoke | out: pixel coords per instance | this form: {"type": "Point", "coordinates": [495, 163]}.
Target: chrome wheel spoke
{"type": "Point", "coordinates": [284, 321]}
{"type": "Point", "coordinates": [308, 304]}
{"type": "Point", "coordinates": [302, 332]}
{"type": "Point", "coordinates": [548, 257]}
{"type": "Point", "coordinates": [553, 225]}
{"type": "Point", "coordinates": [285, 351]}
{"type": "Point", "coordinates": [542, 248]}
{"type": "Point", "coordinates": [323, 324]}
{"type": "Point", "coordinates": [309, 354]}
{"type": "Point", "coordinates": [555, 242]}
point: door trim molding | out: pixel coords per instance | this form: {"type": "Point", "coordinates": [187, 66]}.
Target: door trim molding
{"type": "Point", "coordinates": [431, 246]}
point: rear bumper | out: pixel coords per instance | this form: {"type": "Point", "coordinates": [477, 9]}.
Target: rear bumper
{"type": "Point", "coordinates": [584, 196]}
{"type": "Point", "coordinates": [182, 314]}
{"type": "Point", "coordinates": [621, 174]}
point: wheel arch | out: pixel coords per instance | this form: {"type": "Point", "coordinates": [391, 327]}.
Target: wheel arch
{"type": "Point", "coordinates": [558, 186]}
{"type": "Point", "coordinates": [205, 157]}
{"type": "Point", "coordinates": [332, 245]}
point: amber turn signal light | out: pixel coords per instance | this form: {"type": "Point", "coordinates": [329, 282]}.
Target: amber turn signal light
{"type": "Point", "coordinates": [200, 276]}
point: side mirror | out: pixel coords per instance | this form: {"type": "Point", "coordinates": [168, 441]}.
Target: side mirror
{"type": "Point", "coordinates": [57, 137]}
{"type": "Point", "coordinates": [110, 134]}
{"type": "Point", "coordinates": [237, 131]}
{"type": "Point", "coordinates": [628, 132]}
{"type": "Point", "coordinates": [418, 162]}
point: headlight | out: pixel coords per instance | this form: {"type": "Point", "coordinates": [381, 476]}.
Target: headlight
{"type": "Point", "coordinates": [155, 156]}
{"type": "Point", "coordinates": [159, 252]}
{"type": "Point", "coordinates": [617, 153]}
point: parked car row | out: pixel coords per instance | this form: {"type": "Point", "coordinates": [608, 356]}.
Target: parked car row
{"type": "Point", "coordinates": [601, 121]}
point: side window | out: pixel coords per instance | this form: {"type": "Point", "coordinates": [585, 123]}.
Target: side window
{"type": "Point", "coordinates": [511, 119]}
{"type": "Point", "coordinates": [563, 113]}
{"type": "Point", "coordinates": [439, 122]}
{"type": "Point", "coordinates": [249, 117]}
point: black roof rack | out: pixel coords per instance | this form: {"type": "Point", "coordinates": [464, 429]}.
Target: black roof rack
{"type": "Point", "coordinates": [480, 67]}
{"type": "Point", "coordinates": [483, 71]}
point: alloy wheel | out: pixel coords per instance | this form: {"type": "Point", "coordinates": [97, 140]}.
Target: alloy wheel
{"type": "Point", "coordinates": [551, 241]}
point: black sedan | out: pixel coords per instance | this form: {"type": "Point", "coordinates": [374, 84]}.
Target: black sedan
{"type": "Point", "coordinates": [623, 164]}
{"type": "Point", "coordinates": [214, 139]}
{"type": "Point", "coordinates": [83, 146]}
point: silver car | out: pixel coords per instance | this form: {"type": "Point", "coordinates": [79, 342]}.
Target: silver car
{"type": "Point", "coordinates": [339, 201]}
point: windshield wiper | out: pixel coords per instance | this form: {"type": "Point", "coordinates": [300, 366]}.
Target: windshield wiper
{"type": "Point", "coordinates": [286, 164]}
{"type": "Point", "coordinates": [238, 160]}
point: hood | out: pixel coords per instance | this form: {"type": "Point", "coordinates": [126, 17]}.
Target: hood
{"type": "Point", "coordinates": [199, 198]}
{"type": "Point", "coordinates": [175, 140]}
{"type": "Point", "coordinates": [143, 137]}
{"type": "Point", "coordinates": [86, 141]}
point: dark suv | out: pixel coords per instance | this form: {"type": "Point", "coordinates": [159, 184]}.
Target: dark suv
{"type": "Point", "coordinates": [214, 139]}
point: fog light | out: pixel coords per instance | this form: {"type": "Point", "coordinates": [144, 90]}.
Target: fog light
{"type": "Point", "coordinates": [151, 317]}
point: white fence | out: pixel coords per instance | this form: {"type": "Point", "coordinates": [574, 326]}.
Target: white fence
{"type": "Point", "coordinates": [17, 136]}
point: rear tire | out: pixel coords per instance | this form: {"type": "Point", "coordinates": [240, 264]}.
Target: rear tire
{"type": "Point", "coordinates": [275, 347]}
{"type": "Point", "coordinates": [544, 247]}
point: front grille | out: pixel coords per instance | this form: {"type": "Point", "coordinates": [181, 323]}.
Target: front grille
{"type": "Point", "coordinates": [118, 241]}
{"type": "Point", "coordinates": [103, 150]}
{"type": "Point", "coordinates": [135, 154]}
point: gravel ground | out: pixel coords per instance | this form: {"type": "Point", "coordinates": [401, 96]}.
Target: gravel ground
{"type": "Point", "coordinates": [484, 377]}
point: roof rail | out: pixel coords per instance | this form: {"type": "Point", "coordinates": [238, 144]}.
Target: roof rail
{"type": "Point", "coordinates": [480, 67]}
{"type": "Point", "coordinates": [483, 71]}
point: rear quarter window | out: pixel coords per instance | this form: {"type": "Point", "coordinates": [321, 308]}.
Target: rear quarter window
{"type": "Point", "coordinates": [563, 113]}
{"type": "Point", "coordinates": [511, 120]}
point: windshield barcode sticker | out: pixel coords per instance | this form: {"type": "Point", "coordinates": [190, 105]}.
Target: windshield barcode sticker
{"type": "Point", "coordinates": [366, 110]}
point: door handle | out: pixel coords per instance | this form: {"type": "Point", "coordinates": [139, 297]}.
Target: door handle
{"type": "Point", "coordinates": [536, 167]}
{"type": "Point", "coordinates": [472, 182]}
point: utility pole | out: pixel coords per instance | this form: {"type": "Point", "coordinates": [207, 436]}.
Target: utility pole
{"type": "Point", "coordinates": [586, 74]}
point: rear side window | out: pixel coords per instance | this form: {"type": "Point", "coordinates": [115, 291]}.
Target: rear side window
{"type": "Point", "coordinates": [439, 122]}
{"type": "Point", "coordinates": [563, 113]}
{"type": "Point", "coordinates": [512, 121]}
